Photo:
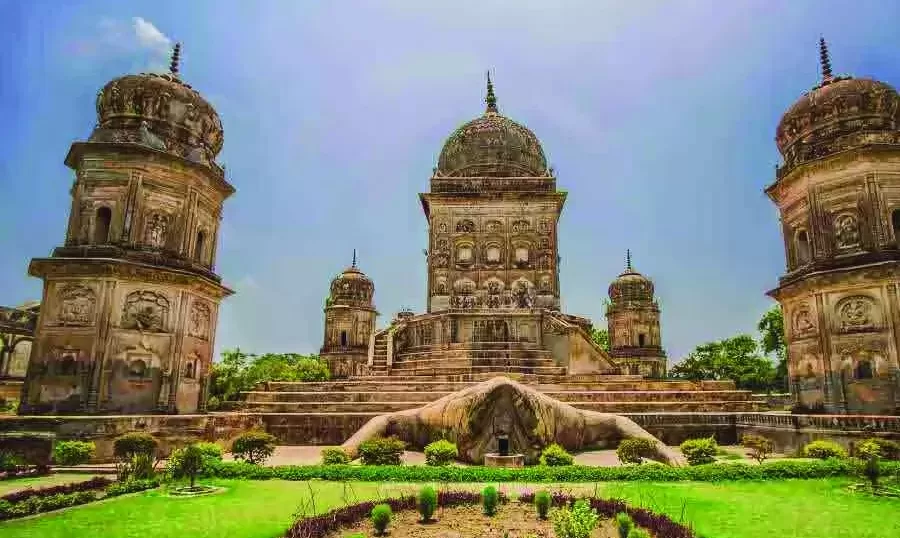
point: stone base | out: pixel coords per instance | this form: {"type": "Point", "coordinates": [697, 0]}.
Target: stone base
{"type": "Point", "coordinates": [496, 460]}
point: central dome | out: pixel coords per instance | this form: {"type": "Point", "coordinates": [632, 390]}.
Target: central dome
{"type": "Point", "coordinates": [492, 145]}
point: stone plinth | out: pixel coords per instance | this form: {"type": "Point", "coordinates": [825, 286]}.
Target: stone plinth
{"type": "Point", "coordinates": [496, 460]}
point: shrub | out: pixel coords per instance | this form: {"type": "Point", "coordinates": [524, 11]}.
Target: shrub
{"type": "Point", "coordinates": [441, 452]}
{"type": "Point", "coordinates": [579, 522]}
{"type": "Point", "coordinates": [489, 500]}
{"type": "Point", "coordinates": [624, 524]}
{"type": "Point", "coordinates": [823, 450]}
{"type": "Point", "coordinates": [334, 456]}
{"type": "Point", "coordinates": [210, 454]}
{"type": "Point", "coordinates": [542, 503]}
{"type": "Point", "coordinates": [130, 486]}
{"type": "Point", "coordinates": [555, 456]}
{"type": "Point", "coordinates": [381, 451]}
{"type": "Point", "coordinates": [700, 451]}
{"type": "Point", "coordinates": [889, 450]}
{"type": "Point", "coordinates": [98, 482]}
{"type": "Point", "coordinates": [760, 447]}
{"type": "Point", "coordinates": [309, 369]}
{"type": "Point", "coordinates": [638, 533]}
{"type": "Point", "coordinates": [381, 517]}
{"type": "Point", "coordinates": [254, 447]}
{"type": "Point", "coordinates": [136, 453]}
{"type": "Point", "coordinates": [70, 453]}
{"type": "Point", "coordinates": [427, 502]}
{"type": "Point", "coordinates": [635, 450]}
{"type": "Point", "coordinates": [189, 463]}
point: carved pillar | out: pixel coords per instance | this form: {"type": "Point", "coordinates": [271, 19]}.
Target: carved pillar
{"type": "Point", "coordinates": [129, 226]}
{"type": "Point", "coordinates": [162, 399]}
{"type": "Point", "coordinates": [101, 346]}
{"type": "Point", "coordinates": [370, 357]}
{"type": "Point", "coordinates": [832, 390]}
{"type": "Point", "coordinates": [74, 213]}
{"type": "Point", "coordinates": [204, 389]}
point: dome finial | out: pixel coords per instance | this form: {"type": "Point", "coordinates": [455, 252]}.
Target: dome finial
{"type": "Point", "coordinates": [628, 259]}
{"type": "Point", "coordinates": [825, 60]}
{"type": "Point", "coordinates": [176, 56]}
{"type": "Point", "coordinates": [354, 258]}
{"type": "Point", "coordinates": [490, 99]}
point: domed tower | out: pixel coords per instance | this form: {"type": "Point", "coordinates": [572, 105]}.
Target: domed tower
{"type": "Point", "coordinates": [632, 317]}
{"type": "Point", "coordinates": [131, 299]}
{"type": "Point", "coordinates": [349, 322]}
{"type": "Point", "coordinates": [492, 216]}
{"type": "Point", "coordinates": [838, 194]}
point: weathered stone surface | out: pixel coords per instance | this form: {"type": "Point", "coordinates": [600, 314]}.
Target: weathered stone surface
{"type": "Point", "coordinates": [473, 418]}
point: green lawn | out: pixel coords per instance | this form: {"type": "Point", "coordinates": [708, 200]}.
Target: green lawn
{"type": "Point", "coordinates": [264, 509]}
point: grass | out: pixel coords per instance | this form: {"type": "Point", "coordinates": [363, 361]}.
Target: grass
{"type": "Point", "coordinates": [264, 509]}
{"type": "Point", "coordinates": [15, 484]}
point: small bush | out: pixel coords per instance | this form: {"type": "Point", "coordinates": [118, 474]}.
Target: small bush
{"type": "Point", "coordinates": [555, 456]}
{"type": "Point", "coordinates": [211, 453]}
{"type": "Point", "coordinates": [700, 451]}
{"type": "Point", "coordinates": [635, 450]}
{"type": "Point", "coordinates": [310, 369]}
{"type": "Point", "coordinates": [440, 453]}
{"type": "Point", "coordinates": [823, 450]}
{"type": "Point", "coordinates": [579, 522]}
{"type": "Point", "coordinates": [334, 456]}
{"type": "Point", "coordinates": [489, 500]}
{"type": "Point", "coordinates": [624, 524]}
{"type": "Point", "coordinates": [542, 503]}
{"type": "Point", "coordinates": [381, 451]}
{"type": "Point", "coordinates": [68, 453]}
{"type": "Point", "coordinates": [889, 450]}
{"type": "Point", "coordinates": [638, 533]}
{"type": "Point", "coordinates": [760, 447]}
{"type": "Point", "coordinates": [427, 502]}
{"type": "Point", "coordinates": [254, 447]}
{"type": "Point", "coordinates": [130, 486]}
{"type": "Point", "coordinates": [131, 444]}
{"type": "Point", "coordinates": [381, 517]}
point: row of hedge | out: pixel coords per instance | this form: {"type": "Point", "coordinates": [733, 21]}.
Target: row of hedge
{"type": "Point", "coordinates": [774, 470]}
{"type": "Point", "coordinates": [97, 482]}
{"type": "Point", "coordinates": [55, 498]}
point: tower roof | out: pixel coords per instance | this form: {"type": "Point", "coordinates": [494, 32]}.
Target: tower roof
{"type": "Point", "coordinates": [631, 285]}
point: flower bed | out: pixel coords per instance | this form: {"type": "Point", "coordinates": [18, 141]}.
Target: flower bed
{"type": "Point", "coordinates": [34, 501]}
{"type": "Point", "coordinates": [774, 470]}
{"type": "Point", "coordinates": [343, 518]}
{"type": "Point", "coordinates": [97, 482]}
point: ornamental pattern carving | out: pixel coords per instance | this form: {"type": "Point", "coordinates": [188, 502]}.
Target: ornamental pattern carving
{"type": "Point", "coordinates": [199, 320]}
{"type": "Point", "coordinates": [465, 226]}
{"type": "Point", "coordinates": [520, 226]}
{"type": "Point", "coordinates": [857, 313]}
{"type": "Point", "coordinates": [76, 305]}
{"type": "Point", "coordinates": [846, 230]}
{"type": "Point", "coordinates": [440, 286]}
{"type": "Point", "coordinates": [803, 322]}
{"type": "Point", "coordinates": [145, 311]}
{"type": "Point", "coordinates": [156, 229]}
{"type": "Point", "coordinates": [493, 226]}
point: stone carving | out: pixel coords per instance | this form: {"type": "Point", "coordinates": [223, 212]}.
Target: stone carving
{"type": "Point", "coordinates": [803, 321]}
{"type": "Point", "coordinates": [76, 305]}
{"type": "Point", "coordinates": [440, 286]}
{"type": "Point", "coordinates": [493, 226]}
{"type": "Point", "coordinates": [199, 320]}
{"type": "Point", "coordinates": [545, 284]}
{"type": "Point", "coordinates": [464, 302]}
{"type": "Point", "coordinates": [156, 228]}
{"type": "Point", "coordinates": [522, 295]}
{"type": "Point", "coordinates": [520, 226]}
{"type": "Point", "coordinates": [465, 226]}
{"type": "Point", "coordinates": [522, 257]}
{"type": "Point", "coordinates": [544, 226]}
{"type": "Point", "coordinates": [856, 313]}
{"type": "Point", "coordinates": [846, 231]}
{"type": "Point", "coordinates": [441, 260]}
{"type": "Point", "coordinates": [531, 421]}
{"type": "Point", "coordinates": [493, 253]}
{"type": "Point", "coordinates": [145, 311]}
{"type": "Point", "coordinates": [465, 254]}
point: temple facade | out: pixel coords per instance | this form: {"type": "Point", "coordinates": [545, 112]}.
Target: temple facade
{"type": "Point", "coordinates": [349, 322]}
{"type": "Point", "coordinates": [131, 298]}
{"type": "Point", "coordinates": [838, 194]}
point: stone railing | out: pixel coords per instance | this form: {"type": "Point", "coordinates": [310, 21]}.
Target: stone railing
{"type": "Point", "coordinates": [15, 321]}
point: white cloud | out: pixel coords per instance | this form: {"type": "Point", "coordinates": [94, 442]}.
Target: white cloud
{"type": "Point", "coordinates": [149, 36]}
{"type": "Point", "coordinates": [141, 41]}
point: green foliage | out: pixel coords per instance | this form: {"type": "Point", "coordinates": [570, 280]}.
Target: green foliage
{"type": "Point", "coordinates": [700, 451]}
{"type": "Point", "coordinates": [735, 359]}
{"type": "Point", "coordinates": [634, 450]}
{"type": "Point", "coordinates": [760, 447]}
{"type": "Point", "coordinates": [624, 524]}
{"type": "Point", "coordinates": [426, 502]}
{"type": "Point", "coordinates": [381, 451]}
{"type": "Point", "coordinates": [542, 503]}
{"type": "Point", "coordinates": [136, 455]}
{"type": "Point", "coordinates": [334, 456]}
{"type": "Point", "coordinates": [887, 449]}
{"type": "Point", "coordinates": [638, 533]}
{"type": "Point", "coordinates": [9, 407]}
{"type": "Point", "coordinates": [489, 500]}
{"type": "Point", "coordinates": [254, 446]}
{"type": "Point", "coordinates": [189, 463]}
{"type": "Point", "coordinates": [579, 522]}
{"type": "Point", "coordinates": [771, 329]}
{"type": "Point", "coordinates": [823, 450]}
{"type": "Point", "coordinates": [440, 452]}
{"type": "Point", "coordinates": [68, 453]}
{"type": "Point", "coordinates": [238, 372]}
{"type": "Point", "coordinates": [601, 338]}
{"type": "Point", "coordinates": [555, 455]}
{"type": "Point", "coordinates": [130, 486]}
{"type": "Point", "coordinates": [39, 504]}
{"type": "Point", "coordinates": [381, 517]}
{"type": "Point", "coordinates": [210, 452]}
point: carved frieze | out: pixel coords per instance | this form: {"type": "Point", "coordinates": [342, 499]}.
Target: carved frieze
{"type": "Point", "coordinates": [857, 313]}
{"type": "Point", "coordinates": [155, 230]}
{"type": "Point", "coordinates": [521, 226]}
{"type": "Point", "coordinates": [146, 311]}
{"type": "Point", "coordinates": [465, 226]}
{"type": "Point", "coordinates": [846, 230]}
{"type": "Point", "coordinates": [803, 322]}
{"type": "Point", "coordinates": [76, 305]}
{"type": "Point", "coordinates": [199, 320]}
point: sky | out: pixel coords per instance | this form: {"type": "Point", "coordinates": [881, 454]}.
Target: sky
{"type": "Point", "coordinates": [658, 116]}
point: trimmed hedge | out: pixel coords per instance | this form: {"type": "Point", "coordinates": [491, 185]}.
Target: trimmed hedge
{"type": "Point", "coordinates": [771, 470]}
{"type": "Point", "coordinates": [29, 502]}
{"type": "Point", "coordinates": [97, 482]}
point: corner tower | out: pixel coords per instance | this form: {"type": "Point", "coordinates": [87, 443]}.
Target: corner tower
{"type": "Point", "coordinates": [492, 219]}
{"type": "Point", "coordinates": [838, 195]}
{"type": "Point", "coordinates": [349, 322]}
{"type": "Point", "coordinates": [131, 299]}
{"type": "Point", "coordinates": [633, 321]}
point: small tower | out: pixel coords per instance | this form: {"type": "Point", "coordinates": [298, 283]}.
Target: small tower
{"type": "Point", "coordinates": [349, 322]}
{"type": "Point", "coordinates": [633, 320]}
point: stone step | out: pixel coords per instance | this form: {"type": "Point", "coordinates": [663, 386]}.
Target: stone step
{"type": "Point", "coordinates": [605, 407]}
{"type": "Point", "coordinates": [500, 363]}
{"type": "Point", "coordinates": [424, 384]}
{"type": "Point", "coordinates": [487, 372]}
{"type": "Point", "coordinates": [467, 353]}
{"type": "Point", "coordinates": [475, 346]}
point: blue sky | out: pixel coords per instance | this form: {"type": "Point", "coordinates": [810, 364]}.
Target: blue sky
{"type": "Point", "coordinates": [658, 117]}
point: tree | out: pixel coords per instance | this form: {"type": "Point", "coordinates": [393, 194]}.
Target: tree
{"type": "Point", "coordinates": [600, 337]}
{"type": "Point", "coordinates": [771, 328]}
{"type": "Point", "coordinates": [735, 359]}
{"type": "Point", "coordinates": [190, 463]}
{"type": "Point", "coordinates": [238, 371]}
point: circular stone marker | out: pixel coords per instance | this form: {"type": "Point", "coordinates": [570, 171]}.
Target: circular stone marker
{"type": "Point", "coordinates": [496, 460]}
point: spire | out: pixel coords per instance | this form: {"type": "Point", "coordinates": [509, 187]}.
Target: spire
{"type": "Point", "coordinates": [825, 61]}
{"type": "Point", "coordinates": [490, 99]}
{"type": "Point", "coordinates": [354, 258]}
{"type": "Point", "coordinates": [176, 56]}
{"type": "Point", "coordinates": [628, 260]}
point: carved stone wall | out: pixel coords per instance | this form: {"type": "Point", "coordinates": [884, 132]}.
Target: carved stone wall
{"type": "Point", "coordinates": [346, 344]}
